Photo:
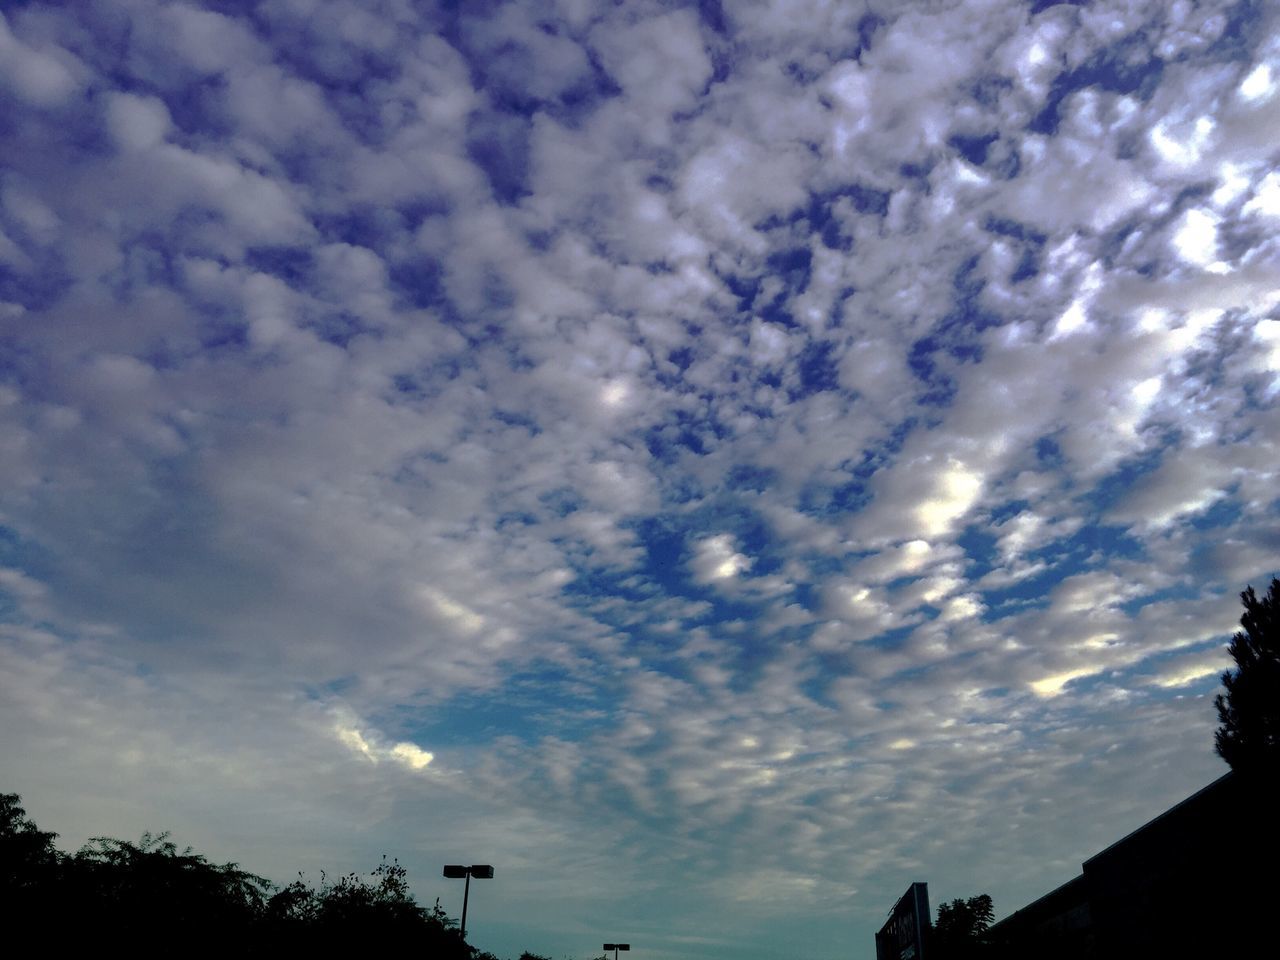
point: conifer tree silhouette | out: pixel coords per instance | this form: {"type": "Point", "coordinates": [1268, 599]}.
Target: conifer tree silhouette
{"type": "Point", "coordinates": [1249, 710]}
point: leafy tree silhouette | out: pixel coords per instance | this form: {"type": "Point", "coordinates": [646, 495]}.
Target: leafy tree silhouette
{"type": "Point", "coordinates": [28, 858]}
{"type": "Point", "coordinates": [153, 899]}
{"type": "Point", "coordinates": [1249, 711]}
{"type": "Point", "coordinates": [958, 934]}
{"type": "Point", "coordinates": [355, 914]}
{"type": "Point", "coordinates": [153, 889]}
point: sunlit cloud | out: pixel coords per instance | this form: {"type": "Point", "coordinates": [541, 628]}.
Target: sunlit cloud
{"type": "Point", "coordinates": [1259, 84]}
{"type": "Point", "coordinates": [1053, 686]}
{"type": "Point", "coordinates": [956, 489]}
{"type": "Point", "coordinates": [716, 559]}
{"type": "Point", "coordinates": [371, 745]}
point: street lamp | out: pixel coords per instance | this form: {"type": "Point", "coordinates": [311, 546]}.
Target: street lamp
{"type": "Point", "coordinates": [456, 871]}
{"type": "Point", "coordinates": [615, 947]}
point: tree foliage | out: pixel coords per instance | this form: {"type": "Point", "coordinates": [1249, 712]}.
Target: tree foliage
{"type": "Point", "coordinates": [1249, 710]}
{"type": "Point", "coordinates": [28, 858]}
{"type": "Point", "coordinates": [153, 886]}
{"type": "Point", "coordinates": [961, 925]}
{"type": "Point", "coordinates": [155, 899]}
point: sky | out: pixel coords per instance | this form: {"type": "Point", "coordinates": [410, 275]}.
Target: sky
{"type": "Point", "coordinates": [717, 462]}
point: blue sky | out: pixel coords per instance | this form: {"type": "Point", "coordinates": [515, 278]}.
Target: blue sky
{"type": "Point", "coordinates": [717, 462]}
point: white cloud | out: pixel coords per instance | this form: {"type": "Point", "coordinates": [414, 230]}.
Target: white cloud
{"type": "Point", "coordinates": [354, 739]}
{"type": "Point", "coordinates": [41, 76]}
{"type": "Point", "coordinates": [1091, 591]}
{"type": "Point", "coordinates": [1196, 237]}
{"type": "Point", "coordinates": [411, 755]}
{"type": "Point", "coordinates": [371, 746]}
{"type": "Point", "coordinates": [716, 558]}
{"type": "Point", "coordinates": [137, 123]}
{"type": "Point", "coordinates": [1259, 84]}
{"type": "Point", "coordinates": [660, 62]}
{"type": "Point", "coordinates": [1266, 197]}
{"type": "Point", "coordinates": [1182, 671]}
{"type": "Point", "coordinates": [1267, 333]}
{"type": "Point", "coordinates": [905, 559]}
{"type": "Point", "coordinates": [1187, 483]}
{"type": "Point", "coordinates": [955, 490]}
{"type": "Point", "coordinates": [1054, 685]}
{"type": "Point", "coordinates": [1182, 144]}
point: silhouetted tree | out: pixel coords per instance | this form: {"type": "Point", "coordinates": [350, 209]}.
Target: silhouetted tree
{"type": "Point", "coordinates": [355, 914]}
{"type": "Point", "coordinates": [153, 899]}
{"type": "Point", "coordinates": [153, 889]}
{"type": "Point", "coordinates": [959, 931]}
{"type": "Point", "coordinates": [1249, 711]}
{"type": "Point", "coordinates": [28, 859]}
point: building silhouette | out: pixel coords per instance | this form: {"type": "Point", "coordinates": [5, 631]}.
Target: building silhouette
{"type": "Point", "coordinates": [1200, 880]}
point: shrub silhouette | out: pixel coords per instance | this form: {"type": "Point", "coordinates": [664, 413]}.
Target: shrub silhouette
{"type": "Point", "coordinates": [152, 899]}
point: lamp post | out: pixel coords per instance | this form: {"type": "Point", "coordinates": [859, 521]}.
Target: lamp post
{"type": "Point", "coordinates": [615, 947]}
{"type": "Point", "coordinates": [456, 871]}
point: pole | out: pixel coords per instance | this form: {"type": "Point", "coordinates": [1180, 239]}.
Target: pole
{"type": "Point", "coordinates": [466, 891]}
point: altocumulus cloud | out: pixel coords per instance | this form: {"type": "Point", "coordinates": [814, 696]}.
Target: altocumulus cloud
{"type": "Point", "coordinates": [370, 746]}
{"type": "Point", "coordinates": [749, 456]}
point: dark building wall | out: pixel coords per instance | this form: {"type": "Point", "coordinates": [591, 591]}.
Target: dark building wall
{"type": "Point", "coordinates": [1200, 880]}
{"type": "Point", "coordinates": [1058, 925]}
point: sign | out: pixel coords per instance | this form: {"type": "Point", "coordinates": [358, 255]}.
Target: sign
{"type": "Point", "coordinates": [902, 936]}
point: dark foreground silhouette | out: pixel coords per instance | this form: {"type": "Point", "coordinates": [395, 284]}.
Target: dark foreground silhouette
{"type": "Point", "coordinates": [1249, 710]}
{"type": "Point", "coordinates": [1196, 881]}
{"type": "Point", "coordinates": [150, 899]}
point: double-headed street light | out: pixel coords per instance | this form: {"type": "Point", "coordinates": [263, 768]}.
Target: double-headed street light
{"type": "Point", "coordinates": [456, 871]}
{"type": "Point", "coordinates": [615, 947]}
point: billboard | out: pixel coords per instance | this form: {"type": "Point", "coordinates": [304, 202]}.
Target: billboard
{"type": "Point", "coordinates": [902, 936]}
